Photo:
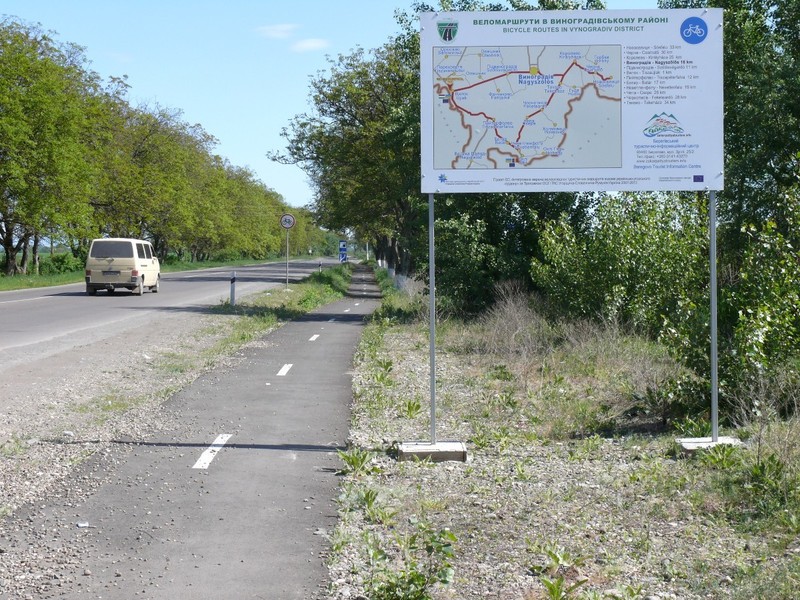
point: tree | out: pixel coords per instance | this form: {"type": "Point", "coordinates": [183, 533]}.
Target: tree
{"type": "Point", "coordinates": [360, 148]}
{"type": "Point", "coordinates": [43, 163]}
{"type": "Point", "coordinates": [640, 254]}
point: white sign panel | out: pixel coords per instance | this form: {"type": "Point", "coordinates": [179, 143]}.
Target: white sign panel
{"type": "Point", "coordinates": [571, 101]}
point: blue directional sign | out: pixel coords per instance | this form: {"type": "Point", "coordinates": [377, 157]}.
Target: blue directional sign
{"type": "Point", "coordinates": [342, 251]}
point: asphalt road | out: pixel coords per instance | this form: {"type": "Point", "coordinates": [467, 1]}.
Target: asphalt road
{"type": "Point", "coordinates": [236, 502]}
{"type": "Point", "coordinates": [40, 322]}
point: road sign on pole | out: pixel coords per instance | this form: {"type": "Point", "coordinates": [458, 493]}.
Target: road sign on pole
{"type": "Point", "coordinates": [287, 222]}
{"type": "Point", "coordinates": [342, 251]}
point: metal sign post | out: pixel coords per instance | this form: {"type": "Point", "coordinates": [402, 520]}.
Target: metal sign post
{"type": "Point", "coordinates": [287, 222]}
{"type": "Point", "coordinates": [712, 230]}
{"type": "Point", "coordinates": [434, 450]}
{"type": "Point", "coordinates": [432, 315]}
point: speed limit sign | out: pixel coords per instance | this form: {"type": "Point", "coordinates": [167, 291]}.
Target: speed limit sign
{"type": "Point", "coordinates": [287, 221]}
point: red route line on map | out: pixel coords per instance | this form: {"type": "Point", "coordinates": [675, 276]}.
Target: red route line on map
{"type": "Point", "coordinates": [449, 87]}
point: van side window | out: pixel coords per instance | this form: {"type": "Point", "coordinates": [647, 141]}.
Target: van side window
{"type": "Point", "coordinates": [140, 250]}
{"type": "Point", "coordinates": [148, 250]}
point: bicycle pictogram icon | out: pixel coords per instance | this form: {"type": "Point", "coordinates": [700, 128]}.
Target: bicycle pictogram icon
{"type": "Point", "coordinates": [694, 29]}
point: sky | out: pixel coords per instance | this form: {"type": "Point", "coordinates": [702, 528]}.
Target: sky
{"type": "Point", "coordinates": [239, 68]}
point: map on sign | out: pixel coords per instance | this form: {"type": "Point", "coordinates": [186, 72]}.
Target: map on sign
{"type": "Point", "coordinates": [526, 107]}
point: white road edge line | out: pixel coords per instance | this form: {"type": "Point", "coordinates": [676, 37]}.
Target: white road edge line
{"type": "Point", "coordinates": [206, 457]}
{"type": "Point", "coordinates": [284, 370]}
{"type": "Point", "coordinates": [313, 338]}
{"type": "Point", "coordinates": [23, 300]}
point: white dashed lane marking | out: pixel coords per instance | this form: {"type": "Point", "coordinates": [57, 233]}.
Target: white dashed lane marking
{"type": "Point", "coordinates": [206, 457]}
{"type": "Point", "coordinates": [313, 338]}
{"type": "Point", "coordinates": [284, 370]}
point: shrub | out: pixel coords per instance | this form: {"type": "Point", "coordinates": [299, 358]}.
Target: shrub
{"type": "Point", "coordinates": [64, 262]}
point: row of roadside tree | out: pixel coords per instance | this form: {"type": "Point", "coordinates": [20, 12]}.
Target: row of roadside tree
{"type": "Point", "coordinates": [642, 259]}
{"type": "Point", "coordinates": [77, 161]}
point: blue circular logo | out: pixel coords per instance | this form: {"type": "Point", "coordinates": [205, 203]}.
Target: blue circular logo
{"type": "Point", "coordinates": [694, 30]}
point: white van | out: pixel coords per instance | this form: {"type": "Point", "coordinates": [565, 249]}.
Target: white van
{"type": "Point", "coordinates": [122, 263]}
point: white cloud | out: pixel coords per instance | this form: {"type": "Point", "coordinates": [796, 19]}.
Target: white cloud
{"type": "Point", "coordinates": [310, 44]}
{"type": "Point", "coordinates": [277, 32]}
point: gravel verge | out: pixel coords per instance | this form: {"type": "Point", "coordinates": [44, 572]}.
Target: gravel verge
{"type": "Point", "coordinates": [532, 517]}
{"type": "Point", "coordinates": [60, 417]}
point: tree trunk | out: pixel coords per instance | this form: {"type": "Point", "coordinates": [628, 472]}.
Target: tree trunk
{"type": "Point", "coordinates": [36, 241]}
{"type": "Point", "coordinates": [381, 251]}
{"type": "Point", "coordinates": [22, 269]}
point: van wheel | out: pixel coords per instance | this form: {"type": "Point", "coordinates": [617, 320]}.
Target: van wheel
{"type": "Point", "coordinates": [154, 288]}
{"type": "Point", "coordinates": [139, 290]}
{"type": "Point", "coordinates": [91, 291]}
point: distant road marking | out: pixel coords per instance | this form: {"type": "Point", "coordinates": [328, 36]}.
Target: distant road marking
{"type": "Point", "coordinates": [313, 338]}
{"type": "Point", "coordinates": [332, 320]}
{"type": "Point", "coordinates": [346, 310]}
{"type": "Point", "coordinates": [284, 370]}
{"type": "Point", "coordinates": [358, 303]}
{"type": "Point", "coordinates": [206, 457]}
{"type": "Point", "coordinates": [23, 300]}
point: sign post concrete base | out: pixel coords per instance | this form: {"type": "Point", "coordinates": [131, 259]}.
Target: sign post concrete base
{"type": "Point", "coordinates": [436, 452]}
{"type": "Point", "coordinates": [691, 445]}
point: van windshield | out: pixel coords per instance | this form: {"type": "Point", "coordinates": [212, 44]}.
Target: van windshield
{"type": "Point", "coordinates": [111, 249]}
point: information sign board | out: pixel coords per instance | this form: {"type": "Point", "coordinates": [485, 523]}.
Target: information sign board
{"type": "Point", "coordinates": [571, 101]}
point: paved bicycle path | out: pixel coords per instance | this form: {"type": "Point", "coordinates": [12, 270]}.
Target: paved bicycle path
{"type": "Point", "coordinates": [236, 502]}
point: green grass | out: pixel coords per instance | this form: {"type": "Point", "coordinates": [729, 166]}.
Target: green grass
{"type": "Point", "coordinates": [22, 282]}
{"type": "Point", "coordinates": [105, 407]}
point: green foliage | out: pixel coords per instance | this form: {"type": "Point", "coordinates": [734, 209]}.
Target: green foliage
{"type": "Point", "coordinates": [769, 486]}
{"type": "Point", "coordinates": [693, 428]}
{"type": "Point", "coordinates": [402, 305]}
{"type": "Point", "coordinates": [501, 373]}
{"type": "Point", "coordinates": [722, 457]}
{"type": "Point", "coordinates": [557, 560]}
{"type": "Point", "coordinates": [424, 556]}
{"type": "Point", "coordinates": [411, 408]}
{"type": "Point", "coordinates": [44, 165]}
{"type": "Point", "coordinates": [63, 262]}
{"type": "Point", "coordinates": [561, 589]}
{"type": "Point", "coordinates": [324, 287]}
{"type": "Point", "coordinates": [767, 299]}
{"type": "Point", "coordinates": [357, 461]}
{"type": "Point", "coordinates": [466, 266]}
{"type": "Point", "coordinates": [360, 144]}
{"type": "Point", "coordinates": [632, 263]}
